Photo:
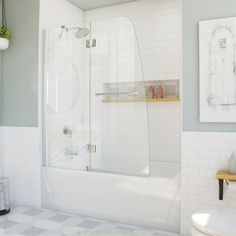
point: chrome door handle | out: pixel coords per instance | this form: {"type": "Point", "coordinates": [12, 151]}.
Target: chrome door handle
{"type": "Point", "coordinates": [119, 93]}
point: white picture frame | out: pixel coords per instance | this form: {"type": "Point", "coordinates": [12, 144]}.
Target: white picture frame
{"type": "Point", "coordinates": [217, 65]}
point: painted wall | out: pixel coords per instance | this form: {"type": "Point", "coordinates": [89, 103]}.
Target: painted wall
{"type": "Point", "coordinates": [194, 11]}
{"type": "Point", "coordinates": [20, 65]}
{"type": "Point", "coordinates": [0, 89]}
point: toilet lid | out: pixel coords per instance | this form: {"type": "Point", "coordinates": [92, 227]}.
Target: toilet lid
{"type": "Point", "coordinates": [216, 222]}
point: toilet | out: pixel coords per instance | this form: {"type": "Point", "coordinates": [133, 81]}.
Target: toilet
{"type": "Point", "coordinates": [215, 222]}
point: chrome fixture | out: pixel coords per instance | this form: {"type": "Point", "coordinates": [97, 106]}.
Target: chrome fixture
{"type": "Point", "coordinates": [67, 131]}
{"type": "Point", "coordinates": [92, 148]}
{"type": "Point", "coordinates": [80, 33]}
{"type": "Point", "coordinates": [91, 45]}
{"type": "Point", "coordinates": [118, 93]}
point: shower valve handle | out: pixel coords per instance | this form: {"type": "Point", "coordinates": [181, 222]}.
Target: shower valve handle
{"type": "Point", "coordinates": [67, 131]}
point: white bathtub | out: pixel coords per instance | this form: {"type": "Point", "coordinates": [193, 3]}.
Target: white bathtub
{"type": "Point", "coordinates": [146, 201]}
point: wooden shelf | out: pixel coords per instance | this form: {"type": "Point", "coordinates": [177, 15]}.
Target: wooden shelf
{"type": "Point", "coordinates": [142, 100]}
{"type": "Point", "coordinates": [223, 175]}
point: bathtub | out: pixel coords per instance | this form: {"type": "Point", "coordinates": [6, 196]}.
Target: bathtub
{"type": "Point", "coordinates": [145, 201]}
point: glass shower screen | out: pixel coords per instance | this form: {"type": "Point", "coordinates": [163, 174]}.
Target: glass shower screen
{"type": "Point", "coordinates": [66, 98]}
{"type": "Point", "coordinates": [95, 99]}
{"type": "Point", "coordinates": [119, 122]}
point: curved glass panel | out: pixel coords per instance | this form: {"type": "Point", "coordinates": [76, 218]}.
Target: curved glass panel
{"type": "Point", "coordinates": [119, 118]}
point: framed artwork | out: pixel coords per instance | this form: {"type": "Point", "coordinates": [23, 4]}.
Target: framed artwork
{"type": "Point", "coordinates": [217, 61]}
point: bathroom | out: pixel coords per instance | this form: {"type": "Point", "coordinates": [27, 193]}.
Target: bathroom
{"type": "Point", "coordinates": [100, 132]}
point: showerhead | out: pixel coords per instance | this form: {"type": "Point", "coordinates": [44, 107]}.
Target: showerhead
{"type": "Point", "coordinates": [81, 33]}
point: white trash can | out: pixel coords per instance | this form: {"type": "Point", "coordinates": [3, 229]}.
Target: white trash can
{"type": "Point", "coordinates": [4, 196]}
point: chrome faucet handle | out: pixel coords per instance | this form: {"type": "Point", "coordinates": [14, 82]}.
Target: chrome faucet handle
{"type": "Point", "coordinates": [67, 131]}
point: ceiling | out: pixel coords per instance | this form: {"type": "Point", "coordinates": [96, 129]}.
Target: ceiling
{"type": "Point", "coordinates": [91, 4]}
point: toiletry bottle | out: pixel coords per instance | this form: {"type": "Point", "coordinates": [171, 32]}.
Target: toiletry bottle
{"type": "Point", "coordinates": [150, 92]}
{"type": "Point", "coordinates": [160, 91]}
{"type": "Point", "coordinates": [232, 164]}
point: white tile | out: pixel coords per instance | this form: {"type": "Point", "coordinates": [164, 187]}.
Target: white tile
{"type": "Point", "coordinates": [22, 164]}
{"type": "Point", "coordinates": [203, 153]}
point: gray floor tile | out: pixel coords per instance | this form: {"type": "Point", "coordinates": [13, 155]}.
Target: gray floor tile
{"type": "Point", "coordinates": [7, 223]}
{"type": "Point", "coordinates": [16, 229]}
{"type": "Point", "coordinates": [33, 231]}
{"type": "Point", "coordinates": [33, 212]}
{"type": "Point", "coordinates": [56, 232]}
{"type": "Point", "coordinates": [44, 215]}
{"type": "Point", "coordinates": [89, 224]}
{"type": "Point", "coordinates": [126, 229]}
{"type": "Point", "coordinates": [59, 218]}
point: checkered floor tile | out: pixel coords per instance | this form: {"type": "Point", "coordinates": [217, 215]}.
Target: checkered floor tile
{"type": "Point", "coordinates": [32, 222]}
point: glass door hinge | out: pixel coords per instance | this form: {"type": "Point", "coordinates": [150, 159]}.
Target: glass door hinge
{"type": "Point", "coordinates": [88, 44]}
{"type": "Point", "coordinates": [92, 148]}
{"type": "Point", "coordinates": [91, 43]}
{"type": "Point", "coordinates": [94, 43]}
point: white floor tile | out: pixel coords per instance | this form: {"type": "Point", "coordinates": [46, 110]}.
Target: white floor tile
{"type": "Point", "coordinates": [25, 221]}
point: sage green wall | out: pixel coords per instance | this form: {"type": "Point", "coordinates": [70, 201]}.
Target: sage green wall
{"type": "Point", "coordinates": [0, 90]}
{"type": "Point", "coordinates": [19, 92]}
{"type": "Point", "coordinates": [193, 11]}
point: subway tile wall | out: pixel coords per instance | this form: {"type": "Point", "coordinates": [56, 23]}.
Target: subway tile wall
{"type": "Point", "coordinates": [55, 13]}
{"type": "Point", "coordinates": [157, 25]}
{"type": "Point", "coordinates": [203, 153]}
{"type": "Point", "coordinates": [21, 163]}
